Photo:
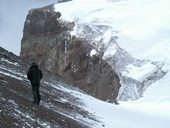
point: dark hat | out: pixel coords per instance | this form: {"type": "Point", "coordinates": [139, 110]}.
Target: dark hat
{"type": "Point", "coordinates": [34, 65]}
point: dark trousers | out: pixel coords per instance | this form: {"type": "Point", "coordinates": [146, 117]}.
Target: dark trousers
{"type": "Point", "coordinates": [36, 93]}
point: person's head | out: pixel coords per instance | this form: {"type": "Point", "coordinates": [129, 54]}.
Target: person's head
{"type": "Point", "coordinates": [34, 65]}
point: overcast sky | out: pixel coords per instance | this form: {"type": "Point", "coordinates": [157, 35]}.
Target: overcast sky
{"type": "Point", "coordinates": [12, 17]}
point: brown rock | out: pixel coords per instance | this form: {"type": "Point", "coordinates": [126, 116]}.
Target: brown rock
{"type": "Point", "coordinates": [48, 42]}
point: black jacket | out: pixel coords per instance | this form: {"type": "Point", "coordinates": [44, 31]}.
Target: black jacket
{"type": "Point", "coordinates": [34, 74]}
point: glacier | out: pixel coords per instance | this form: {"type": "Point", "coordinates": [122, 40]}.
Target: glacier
{"type": "Point", "coordinates": [110, 26]}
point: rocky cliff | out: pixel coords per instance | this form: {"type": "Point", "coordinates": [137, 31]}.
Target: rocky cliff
{"type": "Point", "coordinates": [47, 40]}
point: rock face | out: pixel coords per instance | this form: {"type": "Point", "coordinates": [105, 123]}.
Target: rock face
{"type": "Point", "coordinates": [47, 41]}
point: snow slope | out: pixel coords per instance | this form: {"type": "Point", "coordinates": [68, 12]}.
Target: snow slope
{"type": "Point", "coordinates": [126, 115]}
{"type": "Point", "coordinates": [57, 94]}
{"type": "Point", "coordinates": [142, 28]}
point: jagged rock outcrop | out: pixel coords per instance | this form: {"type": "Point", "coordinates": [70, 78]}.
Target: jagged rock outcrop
{"type": "Point", "coordinates": [47, 41]}
{"type": "Point", "coordinates": [135, 74]}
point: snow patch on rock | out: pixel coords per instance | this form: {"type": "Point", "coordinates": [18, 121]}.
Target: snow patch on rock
{"type": "Point", "coordinates": [139, 73]}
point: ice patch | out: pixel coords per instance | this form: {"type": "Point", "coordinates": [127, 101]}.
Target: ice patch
{"type": "Point", "coordinates": [139, 73]}
{"type": "Point", "coordinates": [12, 73]}
{"type": "Point", "coordinates": [3, 59]}
{"type": "Point", "coordinates": [93, 52]}
{"type": "Point", "coordinates": [8, 74]}
{"type": "Point", "coordinates": [110, 50]}
{"type": "Point", "coordinates": [107, 37]}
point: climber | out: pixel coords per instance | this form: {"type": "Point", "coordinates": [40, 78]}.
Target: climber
{"type": "Point", "coordinates": [34, 74]}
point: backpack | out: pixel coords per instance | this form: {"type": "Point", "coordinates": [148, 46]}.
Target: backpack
{"type": "Point", "coordinates": [36, 76]}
